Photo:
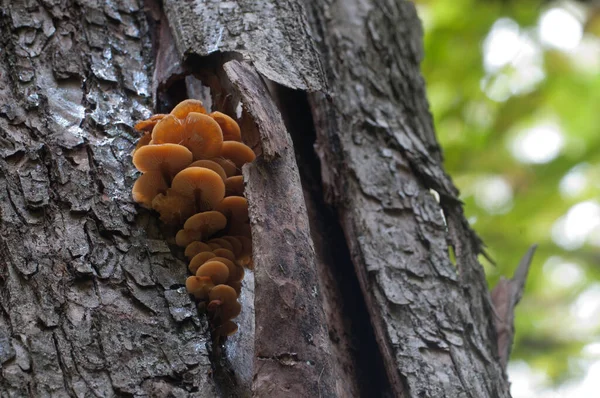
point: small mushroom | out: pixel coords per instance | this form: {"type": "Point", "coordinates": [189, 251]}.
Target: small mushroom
{"type": "Point", "coordinates": [182, 109]}
{"type": "Point", "coordinates": [223, 302]}
{"type": "Point", "coordinates": [237, 152]}
{"type": "Point", "coordinates": [209, 164]}
{"type": "Point", "coordinates": [226, 329]}
{"type": "Point", "coordinates": [222, 252]}
{"type": "Point", "coordinates": [235, 244]}
{"type": "Point", "coordinates": [200, 226]}
{"type": "Point", "coordinates": [230, 128]}
{"type": "Point", "coordinates": [235, 208]}
{"type": "Point", "coordinates": [227, 165]}
{"type": "Point", "coordinates": [169, 129]}
{"type": "Point", "coordinates": [236, 271]}
{"type": "Point", "coordinates": [230, 311]}
{"type": "Point", "coordinates": [200, 287]}
{"type": "Point", "coordinates": [225, 294]}
{"type": "Point", "coordinates": [202, 136]}
{"type": "Point", "coordinates": [148, 124]}
{"type": "Point", "coordinates": [200, 259]}
{"type": "Point", "coordinates": [168, 159]}
{"type": "Point", "coordinates": [147, 187]}
{"type": "Point", "coordinates": [234, 186]}
{"type": "Point", "coordinates": [218, 272]}
{"type": "Point", "coordinates": [174, 209]}
{"type": "Point", "coordinates": [196, 247]}
{"type": "Point", "coordinates": [222, 243]}
{"type": "Point", "coordinates": [203, 186]}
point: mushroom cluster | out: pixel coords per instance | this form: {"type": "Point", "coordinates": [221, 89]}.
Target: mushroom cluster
{"type": "Point", "coordinates": [191, 175]}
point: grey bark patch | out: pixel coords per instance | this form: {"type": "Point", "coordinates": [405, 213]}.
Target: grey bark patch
{"type": "Point", "coordinates": [274, 35]}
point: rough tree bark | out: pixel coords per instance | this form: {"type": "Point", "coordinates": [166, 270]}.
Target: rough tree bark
{"type": "Point", "coordinates": [354, 292]}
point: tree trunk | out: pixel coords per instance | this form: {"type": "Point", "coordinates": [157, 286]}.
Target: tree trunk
{"type": "Point", "coordinates": [354, 291]}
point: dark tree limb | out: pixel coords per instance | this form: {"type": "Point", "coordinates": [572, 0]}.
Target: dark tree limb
{"type": "Point", "coordinates": [505, 296]}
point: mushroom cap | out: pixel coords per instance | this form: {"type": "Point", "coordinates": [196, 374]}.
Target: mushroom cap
{"type": "Point", "coordinates": [230, 128]}
{"type": "Point", "coordinates": [147, 187]}
{"type": "Point", "coordinates": [225, 294]}
{"type": "Point", "coordinates": [167, 158]}
{"type": "Point", "coordinates": [148, 124]}
{"type": "Point", "coordinates": [237, 152]}
{"type": "Point", "coordinates": [236, 272]}
{"type": "Point", "coordinates": [202, 136]}
{"type": "Point", "coordinates": [200, 259]}
{"type": "Point", "coordinates": [227, 165]}
{"type": "Point", "coordinates": [209, 164]}
{"type": "Point", "coordinates": [200, 287]}
{"type": "Point", "coordinates": [169, 129]}
{"type": "Point", "coordinates": [196, 247]}
{"type": "Point", "coordinates": [143, 141]}
{"type": "Point", "coordinates": [234, 186]}
{"type": "Point", "coordinates": [230, 311]}
{"type": "Point", "coordinates": [216, 270]}
{"type": "Point", "coordinates": [194, 283]}
{"type": "Point", "coordinates": [222, 243]}
{"type": "Point", "coordinates": [182, 109]}
{"type": "Point", "coordinates": [174, 209]}
{"type": "Point", "coordinates": [222, 252]}
{"type": "Point", "coordinates": [206, 223]}
{"type": "Point", "coordinates": [227, 329]}
{"type": "Point", "coordinates": [235, 207]}
{"type": "Point", "coordinates": [203, 185]}
{"type": "Point", "coordinates": [183, 238]}
{"type": "Point", "coordinates": [235, 243]}
{"type": "Point", "coordinates": [214, 246]}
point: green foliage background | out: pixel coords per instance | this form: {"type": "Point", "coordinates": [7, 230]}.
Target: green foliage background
{"type": "Point", "coordinates": [475, 133]}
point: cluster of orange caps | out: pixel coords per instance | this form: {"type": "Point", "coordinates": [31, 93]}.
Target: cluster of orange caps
{"type": "Point", "coordinates": [191, 163]}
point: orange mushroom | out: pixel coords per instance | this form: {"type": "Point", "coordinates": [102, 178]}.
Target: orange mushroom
{"type": "Point", "coordinates": [223, 302]}
{"type": "Point", "coordinates": [182, 109]}
{"type": "Point", "coordinates": [200, 259]}
{"type": "Point", "coordinates": [222, 243]}
{"type": "Point", "coordinates": [169, 129]}
{"type": "Point", "coordinates": [196, 247]}
{"type": "Point", "coordinates": [200, 226]}
{"type": "Point", "coordinates": [200, 287]}
{"type": "Point", "coordinates": [234, 186]}
{"type": "Point", "coordinates": [222, 252]}
{"type": "Point", "coordinates": [237, 152]}
{"type": "Point", "coordinates": [209, 164]}
{"type": "Point", "coordinates": [202, 136]}
{"type": "Point", "coordinates": [235, 244]}
{"type": "Point", "coordinates": [230, 128]}
{"type": "Point", "coordinates": [223, 293]}
{"type": "Point", "coordinates": [203, 186]}
{"type": "Point", "coordinates": [174, 209]}
{"type": "Point", "coordinates": [148, 124]}
{"type": "Point", "coordinates": [169, 159]}
{"type": "Point", "coordinates": [227, 165]}
{"type": "Point", "coordinates": [147, 187]}
{"type": "Point", "coordinates": [216, 270]}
